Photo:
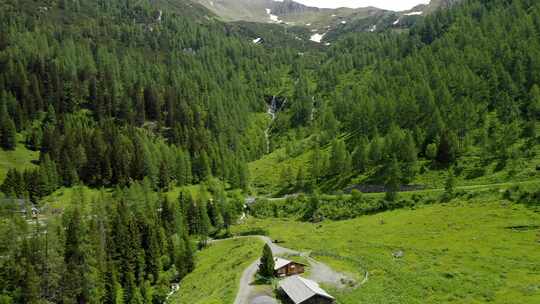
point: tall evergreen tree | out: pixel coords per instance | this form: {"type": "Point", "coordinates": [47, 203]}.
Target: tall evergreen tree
{"type": "Point", "coordinates": [266, 267]}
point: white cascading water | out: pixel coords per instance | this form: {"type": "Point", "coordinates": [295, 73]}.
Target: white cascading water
{"type": "Point", "coordinates": [272, 109]}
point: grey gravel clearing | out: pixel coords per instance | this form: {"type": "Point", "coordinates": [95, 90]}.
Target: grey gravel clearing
{"type": "Point", "coordinates": [264, 300]}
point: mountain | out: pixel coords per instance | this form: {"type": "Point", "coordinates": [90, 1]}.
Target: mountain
{"type": "Point", "coordinates": [286, 12]}
{"type": "Point", "coordinates": [324, 23]}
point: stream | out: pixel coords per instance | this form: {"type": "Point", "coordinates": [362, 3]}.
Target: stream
{"type": "Point", "coordinates": [272, 112]}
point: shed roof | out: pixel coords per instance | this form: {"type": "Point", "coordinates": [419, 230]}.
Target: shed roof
{"type": "Point", "coordinates": [279, 262]}
{"type": "Point", "coordinates": [300, 289]}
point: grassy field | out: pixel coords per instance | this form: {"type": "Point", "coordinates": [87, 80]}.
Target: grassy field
{"type": "Point", "coordinates": [474, 252]}
{"type": "Point", "coordinates": [471, 170]}
{"type": "Point", "coordinates": [266, 173]}
{"type": "Point", "coordinates": [62, 197]}
{"type": "Point", "coordinates": [20, 159]}
{"type": "Point", "coordinates": [217, 272]}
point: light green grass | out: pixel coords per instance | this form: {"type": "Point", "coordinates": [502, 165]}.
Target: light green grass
{"type": "Point", "coordinates": [454, 253]}
{"type": "Point", "coordinates": [217, 273]}
{"type": "Point", "coordinates": [63, 197]}
{"type": "Point", "coordinates": [266, 173]}
{"type": "Point", "coordinates": [196, 191]}
{"type": "Point", "coordinates": [20, 159]}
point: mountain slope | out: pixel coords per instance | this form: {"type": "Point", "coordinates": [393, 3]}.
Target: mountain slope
{"type": "Point", "coordinates": [325, 24]}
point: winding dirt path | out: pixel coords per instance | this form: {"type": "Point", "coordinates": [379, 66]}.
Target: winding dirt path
{"type": "Point", "coordinates": [320, 272]}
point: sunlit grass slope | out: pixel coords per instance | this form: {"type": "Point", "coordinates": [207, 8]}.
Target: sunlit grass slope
{"type": "Point", "coordinates": [217, 273]}
{"type": "Point", "coordinates": [474, 252]}
{"type": "Point", "coordinates": [20, 159]}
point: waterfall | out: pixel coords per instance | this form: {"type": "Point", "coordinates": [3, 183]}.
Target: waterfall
{"type": "Point", "coordinates": [272, 108]}
{"type": "Point", "coordinates": [312, 115]}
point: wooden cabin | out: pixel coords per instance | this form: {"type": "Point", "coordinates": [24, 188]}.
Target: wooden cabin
{"type": "Point", "coordinates": [285, 268]}
{"type": "Point", "coordinates": [297, 290]}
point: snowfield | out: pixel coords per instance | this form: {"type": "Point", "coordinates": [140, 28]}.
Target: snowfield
{"type": "Point", "coordinates": [414, 13]}
{"type": "Point", "coordinates": [317, 37]}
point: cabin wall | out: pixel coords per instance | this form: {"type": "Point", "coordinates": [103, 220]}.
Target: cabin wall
{"type": "Point", "coordinates": [318, 300]}
{"type": "Point", "coordinates": [290, 269]}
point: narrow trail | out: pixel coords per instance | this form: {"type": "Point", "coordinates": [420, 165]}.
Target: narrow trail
{"type": "Point", "coordinates": [320, 272]}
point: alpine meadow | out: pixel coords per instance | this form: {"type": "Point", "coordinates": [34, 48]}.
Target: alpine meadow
{"type": "Point", "coordinates": [269, 152]}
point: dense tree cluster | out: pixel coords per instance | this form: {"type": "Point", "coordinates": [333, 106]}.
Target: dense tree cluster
{"type": "Point", "coordinates": [82, 78]}
{"type": "Point", "coordinates": [124, 248]}
{"type": "Point", "coordinates": [461, 79]}
{"type": "Point", "coordinates": [129, 95]}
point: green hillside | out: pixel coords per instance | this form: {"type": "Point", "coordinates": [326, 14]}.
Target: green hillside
{"type": "Point", "coordinates": [20, 159]}
{"type": "Point", "coordinates": [217, 274]}
{"type": "Point", "coordinates": [404, 153]}
{"type": "Point", "coordinates": [477, 251]}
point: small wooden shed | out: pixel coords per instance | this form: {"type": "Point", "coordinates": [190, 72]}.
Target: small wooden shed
{"type": "Point", "coordinates": [298, 290]}
{"type": "Point", "coordinates": [284, 268]}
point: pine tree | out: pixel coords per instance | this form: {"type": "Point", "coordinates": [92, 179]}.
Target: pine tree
{"type": "Point", "coordinates": [75, 260]}
{"type": "Point", "coordinates": [287, 176]}
{"type": "Point", "coordinates": [300, 179]}
{"type": "Point", "coordinates": [392, 180]}
{"type": "Point", "coordinates": [447, 149]}
{"type": "Point", "coordinates": [449, 186]}
{"type": "Point", "coordinates": [266, 267]}
{"type": "Point", "coordinates": [8, 132]}
{"type": "Point", "coordinates": [13, 183]}
{"type": "Point", "coordinates": [533, 107]}
{"type": "Point", "coordinates": [375, 150]}
{"type": "Point", "coordinates": [360, 156]}
{"type": "Point", "coordinates": [340, 160]}
{"type": "Point", "coordinates": [30, 288]}
{"type": "Point", "coordinates": [164, 177]}
{"type": "Point", "coordinates": [316, 168]}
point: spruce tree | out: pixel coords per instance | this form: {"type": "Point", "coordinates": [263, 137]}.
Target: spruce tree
{"type": "Point", "coordinates": [447, 149]}
{"type": "Point", "coordinates": [316, 161]}
{"type": "Point", "coordinates": [300, 179]}
{"type": "Point", "coordinates": [266, 267]}
{"type": "Point", "coordinates": [8, 132]}
{"type": "Point", "coordinates": [449, 186]}
{"type": "Point", "coordinates": [13, 184]}
{"type": "Point", "coordinates": [360, 156]}
{"type": "Point", "coordinates": [392, 180]}
{"type": "Point", "coordinates": [339, 162]}
{"type": "Point", "coordinates": [74, 277]}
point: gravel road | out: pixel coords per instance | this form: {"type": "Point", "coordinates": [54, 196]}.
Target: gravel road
{"type": "Point", "coordinates": [319, 272]}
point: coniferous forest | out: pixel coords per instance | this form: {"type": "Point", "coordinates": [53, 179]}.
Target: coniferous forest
{"type": "Point", "coordinates": [141, 102]}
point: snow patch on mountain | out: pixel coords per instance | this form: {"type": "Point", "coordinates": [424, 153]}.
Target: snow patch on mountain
{"type": "Point", "coordinates": [414, 13]}
{"type": "Point", "coordinates": [273, 17]}
{"type": "Point", "coordinates": [317, 37]}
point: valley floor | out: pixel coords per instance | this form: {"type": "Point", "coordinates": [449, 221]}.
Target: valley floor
{"type": "Point", "coordinates": [460, 252]}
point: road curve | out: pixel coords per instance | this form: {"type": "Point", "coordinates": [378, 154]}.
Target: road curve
{"type": "Point", "coordinates": [245, 289]}
{"type": "Point", "coordinates": [320, 272]}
